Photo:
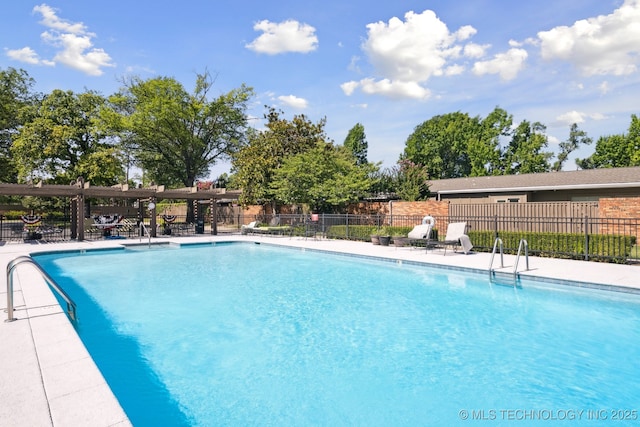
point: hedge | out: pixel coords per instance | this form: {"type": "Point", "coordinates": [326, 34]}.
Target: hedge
{"type": "Point", "coordinates": [602, 247]}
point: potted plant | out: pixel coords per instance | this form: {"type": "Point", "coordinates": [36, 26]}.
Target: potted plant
{"type": "Point", "coordinates": [375, 239]}
{"type": "Point", "coordinates": [385, 236]}
{"type": "Point", "coordinates": [400, 240]}
{"type": "Point", "coordinates": [375, 236]}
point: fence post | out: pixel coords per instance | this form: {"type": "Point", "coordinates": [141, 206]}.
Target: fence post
{"type": "Point", "coordinates": [495, 227]}
{"type": "Point", "coordinates": [586, 237]}
{"type": "Point", "coordinates": [346, 230]}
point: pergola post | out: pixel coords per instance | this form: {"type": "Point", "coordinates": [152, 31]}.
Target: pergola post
{"type": "Point", "coordinates": [214, 216]}
{"type": "Point", "coordinates": [74, 218]}
{"type": "Point", "coordinates": [153, 220]}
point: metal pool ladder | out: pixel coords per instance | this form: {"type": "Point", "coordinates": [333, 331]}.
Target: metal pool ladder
{"type": "Point", "coordinates": [498, 244]}
{"type": "Point", "coordinates": [523, 244]}
{"type": "Point", "coordinates": [71, 306]}
{"type": "Point", "coordinates": [143, 231]}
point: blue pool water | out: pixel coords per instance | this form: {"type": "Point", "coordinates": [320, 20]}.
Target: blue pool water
{"type": "Point", "coordinates": [243, 334]}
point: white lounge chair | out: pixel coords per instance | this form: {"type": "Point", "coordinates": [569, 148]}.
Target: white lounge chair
{"type": "Point", "coordinates": [420, 233]}
{"type": "Point", "coordinates": [249, 228]}
{"type": "Point", "coordinates": [455, 237]}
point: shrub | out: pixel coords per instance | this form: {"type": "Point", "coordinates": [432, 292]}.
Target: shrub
{"type": "Point", "coordinates": [602, 247]}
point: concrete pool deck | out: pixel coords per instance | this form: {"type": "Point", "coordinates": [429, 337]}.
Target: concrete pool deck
{"type": "Point", "coordinates": [47, 377]}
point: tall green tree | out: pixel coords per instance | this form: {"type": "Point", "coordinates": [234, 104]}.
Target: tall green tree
{"type": "Point", "coordinates": [411, 181]}
{"type": "Point", "coordinates": [176, 136]}
{"type": "Point", "coordinates": [615, 151]}
{"type": "Point", "coordinates": [484, 148]}
{"type": "Point", "coordinates": [356, 142]}
{"type": "Point", "coordinates": [440, 145]}
{"type": "Point", "coordinates": [525, 154]}
{"type": "Point", "coordinates": [576, 138]}
{"type": "Point", "coordinates": [63, 140]}
{"type": "Point", "coordinates": [326, 177]}
{"type": "Point", "coordinates": [15, 99]}
{"type": "Point", "coordinates": [255, 164]}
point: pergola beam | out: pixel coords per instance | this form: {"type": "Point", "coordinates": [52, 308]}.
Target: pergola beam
{"type": "Point", "coordinates": [119, 192]}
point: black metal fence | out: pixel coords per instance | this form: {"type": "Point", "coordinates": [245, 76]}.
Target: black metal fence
{"type": "Point", "coordinates": [588, 238]}
{"type": "Point", "coordinates": [47, 229]}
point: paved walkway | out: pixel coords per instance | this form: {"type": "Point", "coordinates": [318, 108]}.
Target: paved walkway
{"type": "Point", "coordinates": [47, 377]}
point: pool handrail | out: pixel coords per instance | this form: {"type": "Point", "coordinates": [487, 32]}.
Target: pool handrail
{"type": "Point", "coordinates": [71, 306]}
{"type": "Point", "coordinates": [524, 243]}
{"type": "Point", "coordinates": [143, 231]}
{"type": "Point", "coordinates": [493, 253]}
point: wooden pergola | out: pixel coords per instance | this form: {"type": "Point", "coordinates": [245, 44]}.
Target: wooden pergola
{"type": "Point", "coordinates": [79, 191]}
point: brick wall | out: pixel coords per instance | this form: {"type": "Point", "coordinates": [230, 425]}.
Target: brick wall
{"type": "Point", "coordinates": [620, 215]}
{"type": "Point", "coordinates": [430, 207]}
{"type": "Point", "coordinates": [250, 212]}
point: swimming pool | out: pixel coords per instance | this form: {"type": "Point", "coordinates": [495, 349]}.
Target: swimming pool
{"type": "Point", "coordinates": [244, 334]}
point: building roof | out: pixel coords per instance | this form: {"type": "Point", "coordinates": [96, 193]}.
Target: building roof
{"type": "Point", "coordinates": [568, 180]}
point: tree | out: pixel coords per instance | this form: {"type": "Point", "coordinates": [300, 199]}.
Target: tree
{"type": "Point", "coordinates": [524, 153]}
{"type": "Point", "coordinates": [411, 181]}
{"type": "Point", "coordinates": [15, 98]}
{"type": "Point", "coordinates": [176, 136]}
{"type": "Point", "coordinates": [255, 164]}
{"type": "Point", "coordinates": [383, 182]}
{"type": "Point", "coordinates": [485, 154]}
{"type": "Point", "coordinates": [576, 138]}
{"type": "Point", "coordinates": [63, 140]}
{"type": "Point", "coordinates": [356, 142]}
{"type": "Point", "coordinates": [616, 151]}
{"type": "Point", "coordinates": [325, 177]}
{"type": "Point", "coordinates": [440, 145]}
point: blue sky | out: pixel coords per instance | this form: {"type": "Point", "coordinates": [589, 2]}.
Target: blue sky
{"type": "Point", "coordinates": [389, 66]}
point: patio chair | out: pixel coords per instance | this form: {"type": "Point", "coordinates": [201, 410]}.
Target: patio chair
{"type": "Point", "coordinates": [455, 237]}
{"type": "Point", "coordinates": [274, 227]}
{"type": "Point", "coordinates": [420, 234]}
{"type": "Point", "coordinates": [249, 228]}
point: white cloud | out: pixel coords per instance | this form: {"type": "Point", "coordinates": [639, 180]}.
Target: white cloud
{"type": "Point", "coordinates": [454, 70]}
{"type": "Point", "coordinates": [349, 87]}
{"type": "Point", "coordinates": [553, 140]}
{"type": "Point", "coordinates": [73, 42]}
{"type": "Point", "coordinates": [604, 87]}
{"type": "Point", "coordinates": [474, 50]}
{"type": "Point", "coordinates": [294, 101]}
{"type": "Point", "coordinates": [507, 64]}
{"type": "Point", "coordinates": [353, 64]}
{"type": "Point", "coordinates": [412, 50]}
{"type": "Point", "coordinates": [394, 89]}
{"type": "Point", "coordinates": [27, 55]}
{"type": "Point", "coordinates": [571, 117]}
{"type": "Point", "coordinates": [407, 53]}
{"type": "Point", "coordinates": [287, 36]}
{"type": "Point", "coordinates": [76, 53]}
{"type": "Point", "coordinates": [51, 20]}
{"type": "Point", "coordinates": [465, 32]}
{"type": "Point", "coordinates": [606, 44]}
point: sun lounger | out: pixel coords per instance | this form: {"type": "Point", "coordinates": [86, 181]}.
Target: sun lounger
{"type": "Point", "coordinates": [455, 238]}
{"type": "Point", "coordinates": [420, 235]}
